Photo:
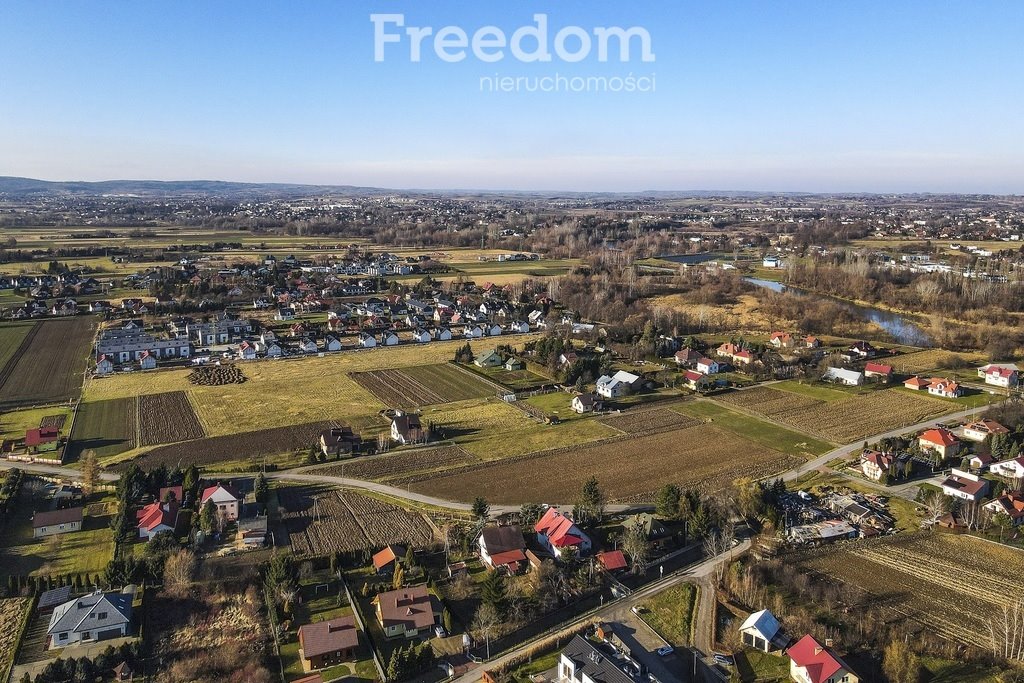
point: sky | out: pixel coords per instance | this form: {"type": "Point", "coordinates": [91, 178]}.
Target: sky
{"type": "Point", "coordinates": [794, 95]}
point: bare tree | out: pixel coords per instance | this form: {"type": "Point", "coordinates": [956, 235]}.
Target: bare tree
{"type": "Point", "coordinates": [179, 572]}
{"type": "Point", "coordinates": [1007, 631]}
{"type": "Point", "coordinates": [486, 623]}
{"type": "Point", "coordinates": [936, 504]}
{"type": "Point", "coordinates": [90, 472]}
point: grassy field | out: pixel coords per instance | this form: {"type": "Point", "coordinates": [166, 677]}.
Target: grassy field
{"type": "Point", "coordinates": [14, 423]}
{"type": "Point", "coordinates": [556, 403]}
{"type": "Point", "coordinates": [760, 432]}
{"type": "Point", "coordinates": [282, 392]}
{"type": "Point", "coordinates": [88, 550]}
{"type": "Point", "coordinates": [107, 427]}
{"type": "Point", "coordinates": [516, 379]}
{"type": "Point", "coordinates": [671, 613]}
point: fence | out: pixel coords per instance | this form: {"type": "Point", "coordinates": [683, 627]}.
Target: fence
{"type": "Point", "coordinates": [357, 612]}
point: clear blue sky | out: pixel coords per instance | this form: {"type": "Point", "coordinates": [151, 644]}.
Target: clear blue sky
{"type": "Point", "coordinates": [750, 94]}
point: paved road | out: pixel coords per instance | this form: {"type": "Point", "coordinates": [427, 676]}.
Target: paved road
{"type": "Point", "coordinates": [620, 609]}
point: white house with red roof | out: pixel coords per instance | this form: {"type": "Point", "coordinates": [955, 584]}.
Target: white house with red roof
{"type": "Point", "coordinates": [980, 429]}
{"type": "Point", "coordinates": [155, 518]}
{"type": "Point", "coordinates": [916, 383]}
{"type": "Point", "coordinates": [941, 441]}
{"type": "Point", "coordinates": [226, 500]}
{"type": "Point", "coordinates": [946, 388]}
{"type": "Point", "coordinates": [875, 464]}
{"type": "Point", "coordinates": [812, 662]}
{"type": "Point", "coordinates": [878, 370]}
{"type": "Point", "coordinates": [556, 533]}
{"type": "Point", "coordinates": [1006, 376]}
{"type": "Point", "coordinates": [1009, 504]}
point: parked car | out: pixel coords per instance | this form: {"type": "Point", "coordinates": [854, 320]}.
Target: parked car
{"type": "Point", "coordinates": [665, 651]}
{"type": "Point", "coordinates": [440, 632]}
{"type": "Point", "coordinates": [724, 660]}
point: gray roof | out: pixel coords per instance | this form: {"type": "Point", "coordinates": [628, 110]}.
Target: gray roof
{"type": "Point", "coordinates": [598, 665]}
{"type": "Point", "coordinates": [764, 622]}
{"type": "Point", "coordinates": [83, 614]}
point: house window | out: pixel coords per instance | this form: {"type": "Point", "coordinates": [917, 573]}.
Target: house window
{"type": "Point", "coordinates": [101, 615]}
{"type": "Point", "coordinates": [62, 636]}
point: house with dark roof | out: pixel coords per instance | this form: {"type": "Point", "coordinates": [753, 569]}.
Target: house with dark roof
{"type": "Point", "coordinates": [56, 522]}
{"type": "Point", "coordinates": [339, 441]}
{"type": "Point", "coordinates": [328, 643]}
{"type": "Point", "coordinates": [503, 548]}
{"type": "Point", "coordinates": [1010, 504]}
{"type": "Point", "coordinates": [584, 661]}
{"type": "Point", "coordinates": [407, 428]}
{"type": "Point", "coordinates": [964, 485]}
{"type": "Point", "coordinates": [812, 662]}
{"type": "Point", "coordinates": [90, 618]}
{"type": "Point", "coordinates": [407, 612]}
{"type": "Point", "coordinates": [557, 533]}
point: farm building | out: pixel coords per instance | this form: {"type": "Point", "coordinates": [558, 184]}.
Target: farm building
{"type": "Point", "coordinates": [612, 560]}
{"type": "Point", "coordinates": [942, 441]}
{"type": "Point", "coordinates": [980, 429]}
{"type": "Point", "coordinates": [503, 548]}
{"type": "Point", "coordinates": [252, 533]}
{"type": "Point", "coordinates": [812, 662]}
{"type": "Point", "coordinates": [964, 485]}
{"type": "Point", "coordinates": [556, 532]}
{"type": "Point", "coordinates": [850, 378]}
{"type": "Point", "coordinates": [883, 372]}
{"type": "Point", "coordinates": [93, 617]}
{"type": "Point", "coordinates": [42, 439]}
{"type": "Point", "coordinates": [407, 612]}
{"type": "Point", "coordinates": [385, 561]}
{"type": "Point", "coordinates": [328, 643]}
{"type": "Point", "coordinates": [225, 499]}
{"type": "Point", "coordinates": [762, 631]}
{"type": "Point", "coordinates": [822, 532]}
{"type": "Point", "coordinates": [56, 522]}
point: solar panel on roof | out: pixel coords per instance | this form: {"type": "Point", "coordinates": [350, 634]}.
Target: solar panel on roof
{"type": "Point", "coordinates": [52, 598]}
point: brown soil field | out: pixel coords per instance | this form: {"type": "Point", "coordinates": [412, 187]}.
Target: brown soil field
{"type": "Point", "coordinates": [842, 421]}
{"type": "Point", "coordinates": [629, 468]}
{"type": "Point", "coordinates": [323, 520]}
{"type": "Point", "coordinates": [396, 465]}
{"type": "Point", "coordinates": [644, 421]}
{"type": "Point", "coordinates": [215, 449]}
{"type": "Point", "coordinates": [49, 364]}
{"type": "Point", "coordinates": [167, 418]}
{"type": "Point", "coordinates": [422, 385]}
{"type": "Point", "coordinates": [951, 583]}
{"type": "Point", "coordinates": [55, 421]}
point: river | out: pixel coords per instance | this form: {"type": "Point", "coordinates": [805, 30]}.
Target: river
{"type": "Point", "coordinates": [903, 329]}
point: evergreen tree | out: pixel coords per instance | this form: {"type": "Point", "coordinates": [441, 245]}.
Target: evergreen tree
{"type": "Point", "coordinates": [667, 501]}
{"type": "Point", "coordinates": [481, 510]}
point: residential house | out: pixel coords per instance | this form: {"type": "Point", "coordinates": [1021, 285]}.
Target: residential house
{"type": "Point", "coordinates": [367, 341]}
{"type": "Point", "coordinates": [488, 359]}
{"type": "Point", "coordinates": [980, 429]}
{"type": "Point", "coordinates": [407, 612]}
{"type": "Point", "coordinates": [762, 631]}
{"type": "Point", "coordinates": [385, 560]}
{"type": "Point", "coordinates": [225, 499]}
{"type": "Point", "coordinates": [42, 439]}
{"type": "Point", "coordinates": [964, 485]}
{"type": "Point", "coordinates": [518, 327]}
{"type": "Point", "coordinates": [332, 343]}
{"type": "Point", "coordinates": [389, 339]}
{"type": "Point", "coordinates": [850, 378]}
{"type": "Point", "coordinates": [328, 643]}
{"type": "Point", "coordinates": [421, 336]}
{"type": "Point", "coordinates": [876, 465]}
{"type": "Point", "coordinates": [90, 618]}
{"type": "Point", "coordinates": [406, 428]}
{"type": "Point", "coordinates": [157, 517]}
{"type": "Point", "coordinates": [584, 661]}
{"type": "Point", "coordinates": [698, 381]}
{"type": "Point", "coordinates": [812, 662]}
{"type": "Point", "coordinates": [1011, 469]}
{"type": "Point", "coordinates": [941, 441]}
{"type": "Point", "coordinates": [585, 403]}
{"type": "Point", "coordinates": [880, 370]}
{"type": "Point", "coordinates": [442, 334]}
{"type": "Point", "coordinates": [621, 383]}
{"type": "Point", "coordinates": [503, 548]}
{"type": "Point", "coordinates": [556, 533]}
{"type": "Point", "coordinates": [980, 461]}
{"type": "Point", "coordinates": [687, 357]}
{"type": "Point", "coordinates": [340, 441]}
{"type": "Point", "coordinates": [860, 351]}
{"type": "Point", "coordinates": [473, 332]}
{"type": "Point", "coordinates": [147, 361]}
{"type": "Point", "coordinates": [284, 313]}
{"type": "Point", "coordinates": [1006, 376]}
{"type": "Point", "coordinates": [812, 342]}
{"type": "Point", "coordinates": [782, 340]}
{"type": "Point", "coordinates": [246, 351]}
{"type": "Point", "coordinates": [308, 345]}
{"type": "Point", "coordinates": [944, 387]}
{"type": "Point", "coordinates": [54, 522]}
{"type": "Point", "coordinates": [1010, 504]}
{"type": "Point", "coordinates": [513, 364]}
{"type": "Point", "coordinates": [493, 330]}
{"type": "Point", "coordinates": [104, 366]}
{"type": "Point", "coordinates": [706, 366]}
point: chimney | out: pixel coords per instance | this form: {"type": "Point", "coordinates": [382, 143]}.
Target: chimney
{"type": "Point", "coordinates": [817, 651]}
{"type": "Point", "coordinates": [828, 642]}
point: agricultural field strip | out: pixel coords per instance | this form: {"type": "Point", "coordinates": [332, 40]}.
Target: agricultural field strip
{"type": "Point", "coordinates": [395, 388]}
{"type": "Point", "coordinates": [48, 369]}
{"type": "Point", "coordinates": [167, 418]}
{"type": "Point", "coordinates": [11, 612]}
{"type": "Point", "coordinates": [26, 342]}
{"type": "Point", "coordinates": [395, 465]}
{"type": "Point", "coordinates": [647, 421]}
{"type": "Point", "coordinates": [451, 381]}
{"type": "Point", "coordinates": [11, 338]}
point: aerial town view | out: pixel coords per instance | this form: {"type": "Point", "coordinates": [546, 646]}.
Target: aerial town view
{"type": "Point", "coordinates": [511, 343]}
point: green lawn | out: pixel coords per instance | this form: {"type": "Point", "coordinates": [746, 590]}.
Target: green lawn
{"type": "Point", "coordinates": [754, 665]}
{"type": "Point", "coordinates": [14, 423]}
{"type": "Point", "coordinates": [556, 403]}
{"type": "Point", "coordinates": [85, 551]}
{"type": "Point", "coordinates": [758, 431]}
{"type": "Point", "coordinates": [946, 671]}
{"type": "Point", "coordinates": [515, 379]}
{"type": "Point", "coordinates": [670, 613]}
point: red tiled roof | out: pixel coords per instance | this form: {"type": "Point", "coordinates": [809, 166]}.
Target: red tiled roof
{"type": "Point", "coordinates": [613, 559]}
{"type": "Point", "coordinates": [915, 383]}
{"type": "Point", "coordinates": [37, 437]}
{"type": "Point", "coordinates": [1011, 504]}
{"type": "Point", "coordinates": [153, 515]}
{"type": "Point", "coordinates": [941, 437]}
{"type": "Point", "coordinates": [387, 556]}
{"type": "Point", "coordinates": [878, 367]}
{"type": "Point", "coordinates": [509, 557]}
{"type": "Point", "coordinates": [815, 659]}
{"type": "Point", "coordinates": [693, 375]}
{"type": "Point", "coordinates": [559, 529]}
